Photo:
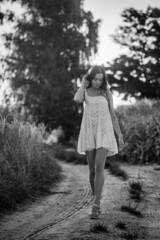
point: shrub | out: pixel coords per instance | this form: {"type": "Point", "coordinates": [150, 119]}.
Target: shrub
{"type": "Point", "coordinates": [26, 167]}
{"type": "Point", "coordinates": [69, 154]}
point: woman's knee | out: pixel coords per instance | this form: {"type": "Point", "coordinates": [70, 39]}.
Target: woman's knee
{"type": "Point", "coordinates": [92, 169]}
{"type": "Point", "coordinates": [99, 167]}
{"type": "Point", "coordinates": [100, 158]}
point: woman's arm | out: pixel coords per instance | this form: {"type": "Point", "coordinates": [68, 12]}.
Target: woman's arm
{"type": "Point", "coordinates": [113, 116]}
{"type": "Point", "coordinates": [79, 96]}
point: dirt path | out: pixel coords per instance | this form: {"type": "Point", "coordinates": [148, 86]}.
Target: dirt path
{"type": "Point", "coordinates": [64, 214]}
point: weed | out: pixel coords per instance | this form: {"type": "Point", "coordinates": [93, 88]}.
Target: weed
{"type": "Point", "coordinates": [121, 225]}
{"type": "Point", "coordinates": [27, 168]}
{"type": "Point", "coordinates": [99, 227]}
{"type": "Point", "coordinates": [130, 235]}
{"type": "Point", "coordinates": [116, 170]}
{"type": "Point", "coordinates": [135, 189]}
{"type": "Point", "coordinates": [156, 168]}
{"type": "Point", "coordinates": [131, 210]}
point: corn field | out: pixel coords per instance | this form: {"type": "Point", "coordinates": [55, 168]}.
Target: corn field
{"type": "Point", "coordinates": [140, 124]}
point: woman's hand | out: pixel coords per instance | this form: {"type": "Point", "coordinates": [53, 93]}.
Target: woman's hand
{"type": "Point", "coordinates": [85, 82]}
{"type": "Point", "coordinates": [120, 143]}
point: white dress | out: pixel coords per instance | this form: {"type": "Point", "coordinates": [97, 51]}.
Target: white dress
{"type": "Point", "coordinates": [96, 127]}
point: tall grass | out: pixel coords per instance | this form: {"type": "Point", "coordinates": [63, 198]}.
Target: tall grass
{"type": "Point", "coordinates": [26, 167]}
{"type": "Point", "coordinates": [140, 124]}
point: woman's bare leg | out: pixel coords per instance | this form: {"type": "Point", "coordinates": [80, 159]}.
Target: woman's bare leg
{"type": "Point", "coordinates": [100, 159]}
{"type": "Point", "coordinates": [91, 162]}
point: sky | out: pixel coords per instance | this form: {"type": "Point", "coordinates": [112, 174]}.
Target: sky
{"type": "Point", "coordinates": [109, 11]}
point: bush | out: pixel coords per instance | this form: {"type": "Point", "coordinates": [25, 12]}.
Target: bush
{"type": "Point", "coordinates": [69, 154]}
{"type": "Point", "coordinates": [26, 167]}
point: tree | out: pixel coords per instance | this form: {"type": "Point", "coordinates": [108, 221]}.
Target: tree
{"type": "Point", "coordinates": [49, 46]}
{"type": "Point", "coordinates": [138, 73]}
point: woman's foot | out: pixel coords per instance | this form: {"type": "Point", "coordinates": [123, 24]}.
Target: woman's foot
{"type": "Point", "coordinates": [95, 211]}
{"type": "Point", "coordinates": [99, 206]}
{"type": "Point", "coordinates": [93, 197]}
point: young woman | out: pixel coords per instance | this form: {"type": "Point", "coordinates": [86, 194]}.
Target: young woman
{"type": "Point", "coordinates": [96, 138]}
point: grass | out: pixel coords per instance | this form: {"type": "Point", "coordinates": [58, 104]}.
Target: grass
{"type": "Point", "coordinates": [115, 169]}
{"type": "Point", "coordinates": [157, 197]}
{"type": "Point", "coordinates": [130, 235]}
{"type": "Point", "coordinates": [135, 189]}
{"type": "Point", "coordinates": [157, 168]}
{"type": "Point", "coordinates": [27, 169]}
{"type": "Point", "coordinates": [121, 225]}
{"type": "Point", "coordinates": [69, 154]}
{"type": "Point", "coordinates": [132, 210]}
{"type": "Point", "coordinates": [99, 227]}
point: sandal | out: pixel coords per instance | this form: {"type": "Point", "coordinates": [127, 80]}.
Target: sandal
{"type": "Point", "coordinates": [95, 215]}
{"type": "Point", "coordinates": [99, 207]}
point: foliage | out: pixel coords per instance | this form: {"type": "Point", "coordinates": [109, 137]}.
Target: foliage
{"type": "Point", "coordinates": [10, 112]}
{"type": "Point", "coordinates": [50, 47]}
{"type": "Point", "coordinates": [114, 168]}
{"type": "Point", "coordinates": [138, 73]}
{"type": "Point", "coordinates": [26, 167]}
{"type": "Point", "coordinates": [141, 131]}
{"type": "Point", "coordinates": [69, 154]}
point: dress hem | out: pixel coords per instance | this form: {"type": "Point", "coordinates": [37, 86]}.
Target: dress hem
{"type": "Point", "coordinates": [111, 152]}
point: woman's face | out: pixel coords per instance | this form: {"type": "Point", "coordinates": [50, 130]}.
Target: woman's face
{"type": "Point", "coordinates": [97, 80]}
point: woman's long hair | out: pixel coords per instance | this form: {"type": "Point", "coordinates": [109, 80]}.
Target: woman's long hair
{"type": "Point", "coordinates": [91, 74]}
